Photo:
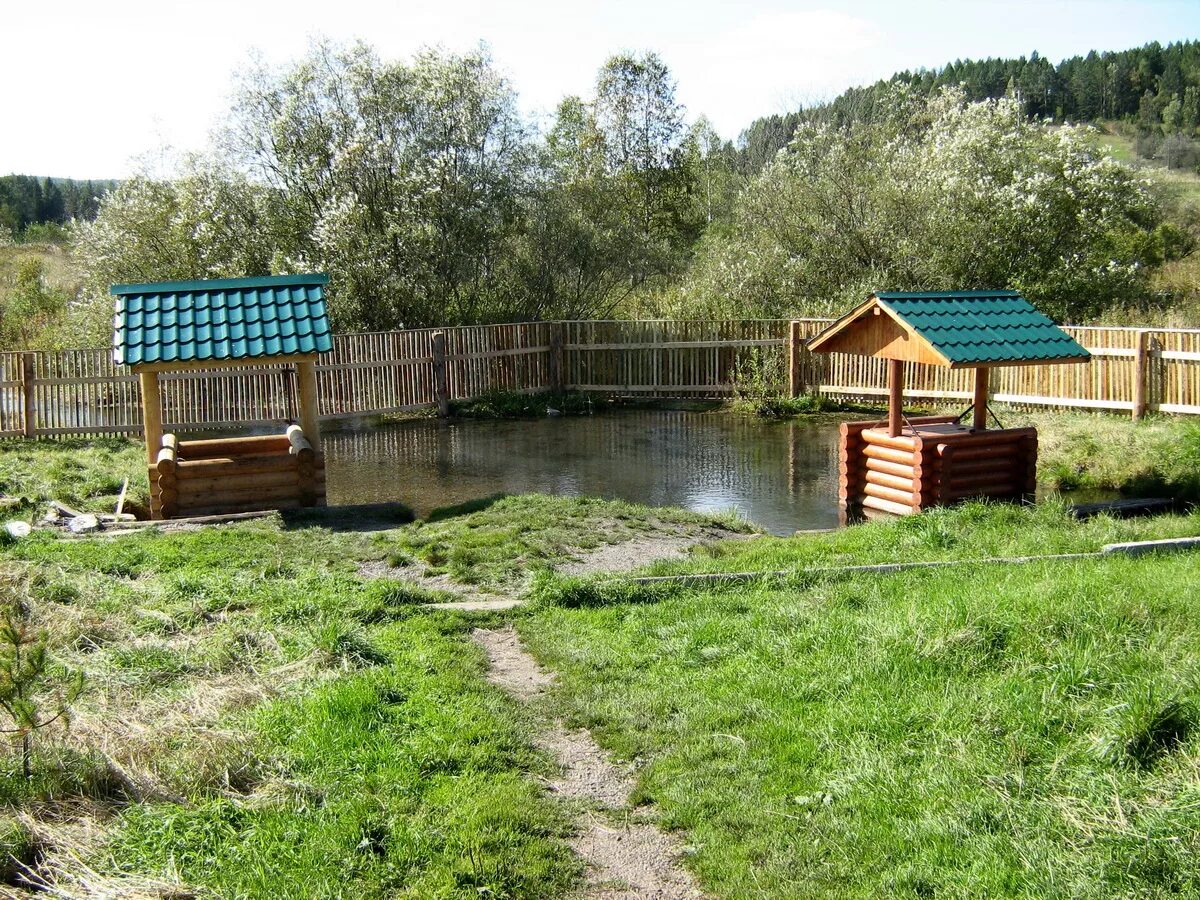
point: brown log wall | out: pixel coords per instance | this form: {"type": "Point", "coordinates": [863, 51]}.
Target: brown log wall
{"type": "Point", "coordinates": [216, 477]}
{"type": "Point", "coordinates": [914, 471]}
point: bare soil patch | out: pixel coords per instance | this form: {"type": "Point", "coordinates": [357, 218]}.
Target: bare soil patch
{"type": "Point", "coordinates": [627, 858]}
{"type": "Point", "coordinates": [641, 551]}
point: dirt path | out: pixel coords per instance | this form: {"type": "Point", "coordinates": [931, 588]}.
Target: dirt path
{"type": "Point", "coordinates": [627, 859]}
{"type": "Point", "coordinates": [640, 551]}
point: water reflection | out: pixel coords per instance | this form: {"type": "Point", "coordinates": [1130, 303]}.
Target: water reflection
{"type": "Point", "coordinates": [780, 475]}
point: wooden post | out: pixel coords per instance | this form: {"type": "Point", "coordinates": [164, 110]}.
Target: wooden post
{"type": "Point", "coordinates": [28, 376]}
{"type": "Point", "coordinates": [795, 347]}
{"type": "Point", "coordinates": [979, 418]}
{"type": "Point", "coordinates": [895, 396]}
{"type": "Point", "coordinates": [556, 357]}
{"type": "Point", "coordinates": [441, 388]}
{"type": "Point", "coordinates": [151, 414]}
{"type": "Point", "coordinates": [310, 413]}
{"type": "Point", "coordinates": [1141, 372]}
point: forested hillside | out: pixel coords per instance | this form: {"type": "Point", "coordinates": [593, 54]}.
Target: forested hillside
{"type": "Point", "coordinates": [1155, 90]}
{"type": "Point", "coordinates": [27, 200]}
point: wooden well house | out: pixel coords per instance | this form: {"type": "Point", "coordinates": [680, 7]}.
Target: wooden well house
{"type": "Point", "coordinates": [186, 326]}
{"type": "Point", "coordinates": [906, 465]}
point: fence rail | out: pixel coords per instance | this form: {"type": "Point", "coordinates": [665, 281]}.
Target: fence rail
{"type": "Point", "coordinates": [82, 392]}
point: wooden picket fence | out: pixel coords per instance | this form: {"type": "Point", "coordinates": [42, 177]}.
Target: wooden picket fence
{"type": "Point", "coordinates": [82, 392]}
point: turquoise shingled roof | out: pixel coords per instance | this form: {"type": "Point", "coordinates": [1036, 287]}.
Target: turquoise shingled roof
{"type": "Point", "coordinates": [982, 327]}
{"type": "Point", "coordinates": [222, 319]}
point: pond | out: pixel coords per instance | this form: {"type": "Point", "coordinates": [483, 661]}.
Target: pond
{"type": "Point", "coordinates": [781, 476]}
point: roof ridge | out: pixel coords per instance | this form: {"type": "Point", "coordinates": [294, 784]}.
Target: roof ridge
{"type": "Point", "coordinates": [218, 285]}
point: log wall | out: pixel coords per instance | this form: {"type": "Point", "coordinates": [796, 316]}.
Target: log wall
{"type": "Point", "coordinates": [929, 467]}
{"type": "Point", "coordinates": [230, 475]}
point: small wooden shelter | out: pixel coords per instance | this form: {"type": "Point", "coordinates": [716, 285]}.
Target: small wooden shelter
{"type": "Point", "coordinates": [907, 465]}
{"type": "Point", "coordinates": [181, 326]}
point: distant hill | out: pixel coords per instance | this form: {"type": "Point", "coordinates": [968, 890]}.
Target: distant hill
{"type": "Point", "coordinates": [38, 200]}
{"type": "Point", "coordinates": [1155, 90]}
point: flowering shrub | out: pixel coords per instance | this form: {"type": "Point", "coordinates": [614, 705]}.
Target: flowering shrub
{"type": "Point", "coordinates": [935, 193]}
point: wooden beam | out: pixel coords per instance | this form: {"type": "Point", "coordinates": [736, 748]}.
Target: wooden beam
{"type": "Point", "coordinates": [979, 417]}
{"type": "Point", "coordinates": [441, 389]}
{"type": "Point", "coordinates": [310, 420]}
{"type": "Point", "coordinates": [204, 364]}
{"type": "Point", "coordinates": [28, 380]}
{"type": "Point", "coordinates": [895, 396]}
{"type": "Point", "coordinates": [795, 348]}
{"type": "Point", "coordinates": [151, 415]}
{"type": "Point", "coordinates": [557, 357]}
{"type": "Point", "coordinates": [1140, 372]}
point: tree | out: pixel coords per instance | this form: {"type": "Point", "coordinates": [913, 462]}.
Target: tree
{"type": "Point", "coordinates": [403, 181]}
{"type": "Point", "coordinates": [936, 193]}
{"type": "Point", "coordinates": [574, 256]}
{"type": "Point", "coordinates": [210, 222]}
{"type": "Point", "coordinates": [52, 207]}
{"type": "Point", "coordinates": [641, 126]}
{"type": "Point", "coordinates": [32, 693]}
{"type": "Point", "coordinates": [713, 163]}
{"type": "Point", "coordinates": [32, 304]}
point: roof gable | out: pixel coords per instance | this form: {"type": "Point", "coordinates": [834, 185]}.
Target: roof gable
{"type": "Point", "coordinates": [220, 320]}
{"type": "Point", "coordinates": [959, 329]}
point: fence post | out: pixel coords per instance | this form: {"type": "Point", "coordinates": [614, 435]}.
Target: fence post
{"type": "Point", "coordinates": [29, 408]}
{"type": "Point", "coordinates": [556, 357]}
{"type": "Point", "coordinates": [1141, 371]}
{"type": "Point", "coordinates": [795, 347]}
{"type": "Point", "coordinates": [441, 390]}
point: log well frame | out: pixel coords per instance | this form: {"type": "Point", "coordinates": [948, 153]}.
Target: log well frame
{"type": "Point", "coordinates": [907, 465]}
{"type": "Point", "coordinates": [174, 328]}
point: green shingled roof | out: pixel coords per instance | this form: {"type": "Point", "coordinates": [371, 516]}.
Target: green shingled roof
{"type": "Point", "coordinates": [222, 319]}
{"type": "Point", "coordinates": [982, 327]}
{"type": "Point", "coordinates": [971, 328]}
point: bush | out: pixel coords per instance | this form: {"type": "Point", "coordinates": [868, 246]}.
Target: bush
{"type": "Point", "coordinates": [501, 404]}
{"type": "Point", "coordinates": [933, 193]}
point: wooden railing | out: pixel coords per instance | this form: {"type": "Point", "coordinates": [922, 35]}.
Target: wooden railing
{"type": "Point", "coordinates": [82, 392]}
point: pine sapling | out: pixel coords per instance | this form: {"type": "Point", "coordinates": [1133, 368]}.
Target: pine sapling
{"type": "Point", "coordinates": [32, 693]}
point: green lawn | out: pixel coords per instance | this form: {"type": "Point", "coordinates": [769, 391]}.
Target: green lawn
{"type": "Point", "coordinates": [261, 719]}
{"type": "Point", "coordinates": [976, 731]}
{"type": "Point", "coordinates": [499, 541]}
{"type": "Point", "coordinates": [323, 736]}
{"type": "Point", "coordinates": [409, 778]}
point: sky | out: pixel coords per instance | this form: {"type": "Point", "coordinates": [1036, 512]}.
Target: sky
{"type": "Point", "coordinates": [100, 88]}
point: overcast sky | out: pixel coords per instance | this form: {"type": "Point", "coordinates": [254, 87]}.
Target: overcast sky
{"type": "Point", "coordinates": [91, 86]}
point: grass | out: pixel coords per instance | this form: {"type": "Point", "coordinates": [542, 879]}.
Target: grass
{"type": "Point", "coordinates": [499, 541]}
{"type": "Point", "coordinates": [252, 700]}
{"type": "Point", "coordinates": [86, 474]}
{"type": "Point", "coordinates": [976, 731]}
{"type": "Point", "coordinates": [61, 271]}
{"type": "Point", "coordinates": [1158, 456]}
{"type": "Point", "coordinates": [406, 779]}
{"type": "Point", "coordinates": [262, 719]}
{"type": "Point", "coordinates": [501, 404]}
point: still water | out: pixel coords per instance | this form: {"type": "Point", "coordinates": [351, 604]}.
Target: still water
{"type": "Point", "coordinates": [779, 475]}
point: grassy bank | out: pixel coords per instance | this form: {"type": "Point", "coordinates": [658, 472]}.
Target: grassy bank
{"type": "Point", "coordinates": [262, 717]}
{"type": "Point", "coordinates": [977, 731]}
{"type": "Point", "coordinates": [85, 474]}
{"type": "Point", "coordinates": [250, 699]}
{"type": "Point", "coordinates": [500, 542]}
{"type": "Point", "coordinates": [1158, 456]}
